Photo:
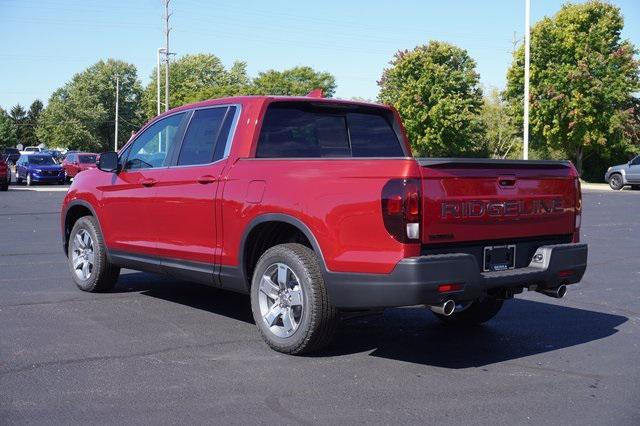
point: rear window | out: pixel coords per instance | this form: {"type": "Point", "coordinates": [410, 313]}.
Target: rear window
{"type": "Point", "coordinates": [302, 130]}
{"type": "Point", "coordinates": [87, 159]}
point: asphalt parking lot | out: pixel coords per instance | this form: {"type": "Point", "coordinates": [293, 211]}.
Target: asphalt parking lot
{"type": "Point", "coordinates": [160, 351]}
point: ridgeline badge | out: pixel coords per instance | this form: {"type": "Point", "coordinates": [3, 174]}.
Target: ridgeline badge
{"type": "Point", "coordinates": [506, 208]}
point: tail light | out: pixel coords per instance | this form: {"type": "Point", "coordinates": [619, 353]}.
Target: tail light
{"type": "Point", "coordinates": [578, 210]}
{"type": "Point", "coordinates": [401, 210]}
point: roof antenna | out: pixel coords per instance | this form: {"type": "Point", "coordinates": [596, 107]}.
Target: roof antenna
{"type": "Point", "coordinates": [315, 93]}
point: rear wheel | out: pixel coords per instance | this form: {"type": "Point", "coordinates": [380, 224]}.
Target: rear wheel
{"type": "Point", "coordinates": [477, 312]}
{"type": "Point", "coordinates": [4, 186]}
{"type": "Point", "coordinates": [289, 300]}
{"type": "Point", "coordinates": [87, 257]}
{"type": "Point", "coordinates": [615, 181]}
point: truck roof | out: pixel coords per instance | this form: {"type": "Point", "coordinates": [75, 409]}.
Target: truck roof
{"type": "Point", "coordinates": [246, 100]}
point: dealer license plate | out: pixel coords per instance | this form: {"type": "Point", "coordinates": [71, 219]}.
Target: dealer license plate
{"type": "Point", "coordinates": [499, 258]}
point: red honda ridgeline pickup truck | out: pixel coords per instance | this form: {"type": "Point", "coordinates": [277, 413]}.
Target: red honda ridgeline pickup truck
{"type": "Point", "coordinates": [315, 207]}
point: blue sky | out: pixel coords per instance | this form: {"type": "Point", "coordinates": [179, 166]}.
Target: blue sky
{"type": "Point", "coordinates": [46, 41]}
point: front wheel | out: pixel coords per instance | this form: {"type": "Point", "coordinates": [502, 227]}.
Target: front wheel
{"type": "Point", "coordinates": [289, 300]}
{"type": "Point", "coordinates": [615, 181]}
{"type": "Point", "coordinates": [477, 312]}
{"type": "Point", "coordinates": [87, 257]}
{"type": "Point", "coordinates": [29, 181]}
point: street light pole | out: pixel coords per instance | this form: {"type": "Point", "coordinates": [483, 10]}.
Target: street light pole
{"type": "Point", "coordinates": [527, 59]}
{"type": "Point", "coordinates": [117, 105]}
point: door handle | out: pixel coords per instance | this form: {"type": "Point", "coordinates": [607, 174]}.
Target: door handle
{"type": "Point", "coordinates": [206, 179]}
{"type": "Point", "coordinates": [148, 182]}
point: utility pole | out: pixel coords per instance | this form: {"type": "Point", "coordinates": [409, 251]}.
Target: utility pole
{"type": "Point", "coordinates": [117, 105]}
{"type": "Point", "coordinates": [527, 59]}
{"type": "Point", "coordinates": [160, 50]}
{"type": "Point", "coordinates": [167, 30]}
{"type": "Point", "coordinates": [514, 45]}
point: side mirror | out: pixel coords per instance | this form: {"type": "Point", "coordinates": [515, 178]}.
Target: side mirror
{"type": "Point", "coordinates": [108, 162]}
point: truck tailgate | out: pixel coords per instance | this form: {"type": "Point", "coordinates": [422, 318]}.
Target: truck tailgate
{"type": "Point", "coordinates": [468, 200]}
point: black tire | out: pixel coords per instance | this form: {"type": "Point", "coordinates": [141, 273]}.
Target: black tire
{"type": "Point", "coordinates": [5, 185]}
{"type": "Point", "coordinates": [318, 319]}
{"type": "Point", "coordinates": [615, 181]}
{"type": "Point", "coordinates": [103, 274]}
{"type": "Point", "coordinates": [479, 312]}
{"type": "Point", "coordinates": [18, 180]}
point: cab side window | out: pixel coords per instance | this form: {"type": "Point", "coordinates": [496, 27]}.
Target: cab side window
{"type": "Point", "coordinates": [206, 136]}
{"type": "Point", "coordinates": [151, 147]}
{"type": "Point", "coordinates": [636, 161]}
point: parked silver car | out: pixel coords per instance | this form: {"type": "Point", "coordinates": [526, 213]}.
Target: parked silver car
{"type": "Point", "coordinates": [624, 174]}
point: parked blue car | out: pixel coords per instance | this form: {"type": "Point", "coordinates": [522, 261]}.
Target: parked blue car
{"type": "Point", "coordinates": [36, 168]}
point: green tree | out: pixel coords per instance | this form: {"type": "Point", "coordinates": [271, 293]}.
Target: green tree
{"type": "Point", "coordinates": [436, 89]}
{"type": "Point", "coordinates": [195, 78]}
{"type": "Point", "coordinates": [81, 114]}
{"type": "Point", "coordinates": [31, 122]}
{"type": "Point", "coordinates": [297, 81]}
{"type": "Point", "coordinates": [502, 137]}
{"type": "Point", "coordinates": [19, 117]}
{"type": "Point", "coordinates": [8, 137]}
{"type": "Point", "coordinates": [583, 76]}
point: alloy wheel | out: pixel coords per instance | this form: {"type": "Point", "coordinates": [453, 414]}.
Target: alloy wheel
{"type": "Point", "coordinates": [616, 182]}
{"type": "Point", "coordinates": [82, 255]}
{"type": "Point", "coordinates": [281, 300]}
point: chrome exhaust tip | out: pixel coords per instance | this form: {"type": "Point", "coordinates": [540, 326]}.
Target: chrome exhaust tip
{"type": "Point", "coordinates": [446, 309]}
{"type": "Point", "coordinates": [557, 292]}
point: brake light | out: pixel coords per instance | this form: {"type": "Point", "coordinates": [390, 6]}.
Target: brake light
{"type": "Point", "coordinates": [578, 211]}
{"type": "Point", "coordinates": [401, 209]}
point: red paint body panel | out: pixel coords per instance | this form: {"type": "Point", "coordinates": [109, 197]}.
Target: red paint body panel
{"type": "Point", "coordinates": [339, 200]}
{"type": "Point", "coordinates": [4, 169]}
{"type": "Point", "coordinates": [459, 185]}
{"type": "Point", "coordinates": [130, 217]}
{"type": "Point", "coordinates": [187, 210]}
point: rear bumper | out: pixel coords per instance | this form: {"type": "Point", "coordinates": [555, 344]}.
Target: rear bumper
{"type": "Point", "coordinates": [415, 281]}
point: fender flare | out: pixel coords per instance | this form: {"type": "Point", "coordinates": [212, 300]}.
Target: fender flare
{"type": "Point", "coordinates": [278, 217]}
{"type": "Point", "coordinates": [623, 172]}
{"type": "Point", "coordinates": [88, 206]}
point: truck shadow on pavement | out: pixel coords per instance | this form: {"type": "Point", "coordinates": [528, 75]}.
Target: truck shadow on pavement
{"type": "Point", "coordinates": [523, 327]}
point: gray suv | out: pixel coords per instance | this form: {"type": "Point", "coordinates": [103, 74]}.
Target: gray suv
{"type": "Point", "coordinates": [624, 174]}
